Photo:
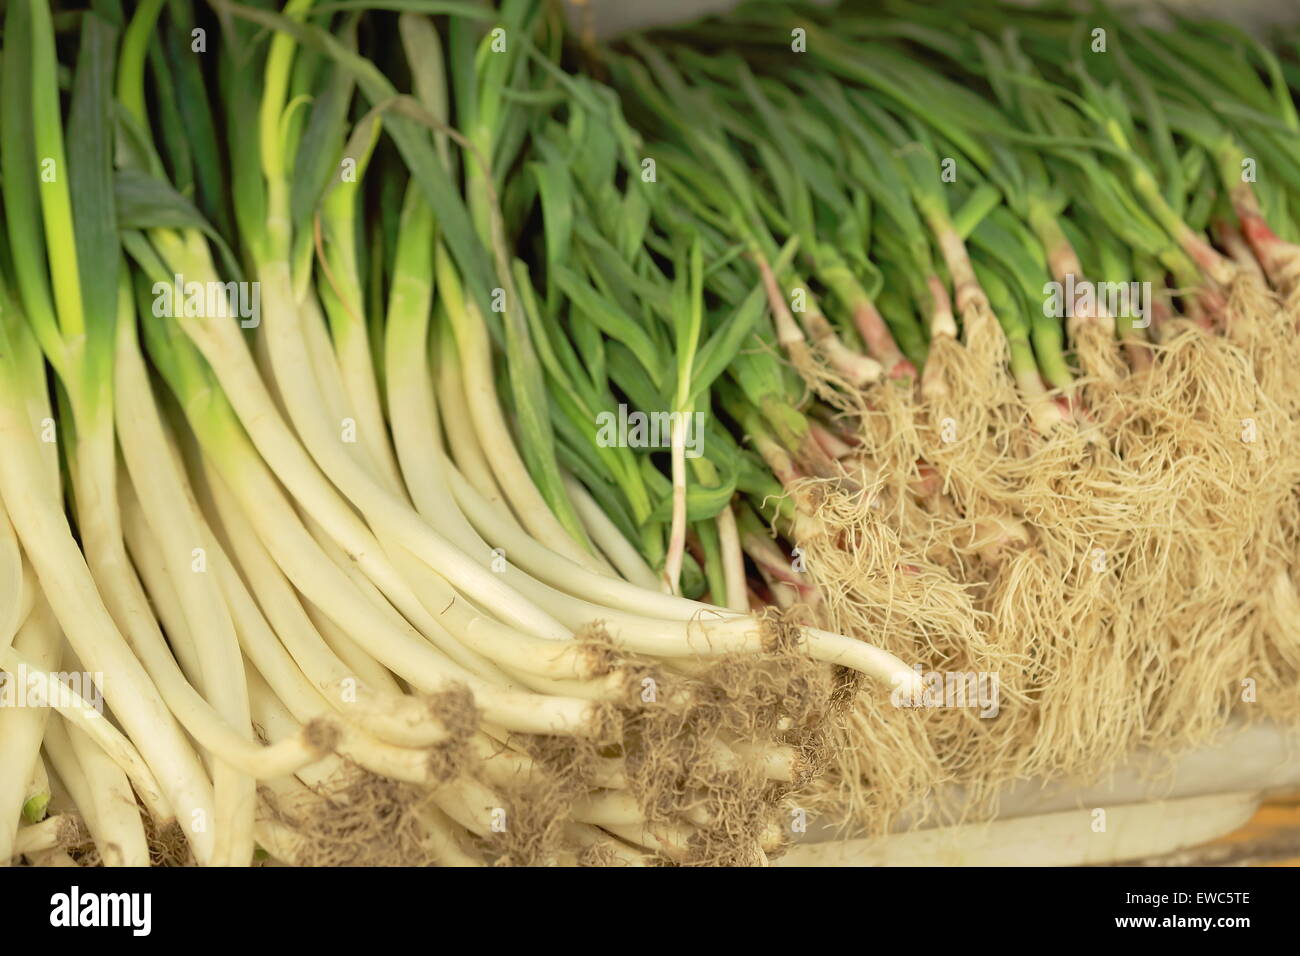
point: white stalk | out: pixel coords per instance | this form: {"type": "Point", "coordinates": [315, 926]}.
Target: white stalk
{"type": "Point", "coordinates": [356, 379]}
{"type": "Point", "coordinates": [164, 497]}
{"type": "Point", "coordinates": [557, 660]}
{"type": "Point", "coordinates": [345, 374]}
{"type": "Point", "coordinates": [608, 807]}
{"type": "Point", "coordinates": [429, 622]}
{"type": "Point", "coordinates": [121, 838]}
{"type": "Point", "coordinates": [281, 842]}
{"type": "Point", "coordinates": [659, 624]}
{"type": "Point", "coordinates": [594, 837]}
{"type": "Point", "coordinates": [550, 569]}
{"type": "Point", "coordinates": [484, 407]}
{"type": "Point", "coordinates": [284, 709]}
{"type": "Point", "coordinates": [371, 672]}
{"type": "Point", "coordinates": [77, 788]}
{"type": "Point", "coordinates": [672, 841]}
{"type": "Point", "coordinates": [621, 553]}
{"type": "Point", "coordinates": [462, 440]}
{"type": "Point", "coordinates": [212, 733]}
{"type": "Point", "coordinates": [677, 532]}
{"type": "Point", "coordinates": [38, 517]}
{"type": "Point", "coordinates": [99, 520]}
{"type": "Point", "coordinates": [253, 400]}
{"type": "Point", "coordinates": [386, 515]}
{"type": "Point", "coordinates": [446, 839]}
{"type": "Point", "coordinates": [81, 714]}
{"type": "Point", "coordinates": [281, 450]}
{"type": "Point", "coordinates": [414, 411]}
{"type": "Point", "coordinates": [391, 641]}
{"type": "Point", "coordinates": [733, 561]}
{"type": "Point", "coordinates": [17, 591]}
{"type": "Point", "coordinates": [49, 834]}
{"type": "Point", "coordinates": [612, 687]}
{"type": "Point", "coordinates": [22, 728]}
{"type": "Point", "coordinates": [287, 629]}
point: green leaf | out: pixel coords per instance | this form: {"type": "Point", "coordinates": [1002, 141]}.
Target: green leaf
{"type": "Point", "coordinates": [319, 150]}
{"type": "Point", "coordinates": [90, 179]}
{"type": "Point", "coordinates": [196, 118]}
{"type": "Point", "coordinates": [610, 319]}
{"type": "Point", "coordinates": [145, 202]}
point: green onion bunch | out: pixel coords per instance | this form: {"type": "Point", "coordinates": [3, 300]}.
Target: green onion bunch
{"type": "Point", "coordinates": [432, 436]}
{"type": "Point", "coordinates": [326, 558]}
{"type": "Point", "coordinates": [1044, 483]}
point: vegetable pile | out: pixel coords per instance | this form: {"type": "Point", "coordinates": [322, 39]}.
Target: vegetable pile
{"type": "Point", "coordinates": [428, 436]}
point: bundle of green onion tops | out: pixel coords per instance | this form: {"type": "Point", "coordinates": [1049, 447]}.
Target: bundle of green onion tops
{"type": "Point", "coordinates": [428, 436]}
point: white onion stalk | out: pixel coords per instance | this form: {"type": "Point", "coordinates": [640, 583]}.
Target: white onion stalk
{"type": "Point", "coordinates": [51, 833]}
{"type": "Point", "coordinates": [119, 833]}
{"type": "Point", "coordinates": [22, 728]}
{"type": "Point", "coordinates": [82, 715]}
{"type": "Point", "coordinates": [398, 719]}
{"type": "Point", "coordinates": [244, 388]}
{"type": "Point", "coordinates": [164, 497]}
{"type": "Point", "coordinates": [38, 517]}
{"type": "Point", "coordinates": [660, 624]}
{"type": "Point", "coordinates": [480, 399]}
{"type": "Point", "coordinates": [461, 436]}
{"type": "Point", "coordinates": [386, 637]}
{"type": "Point", "coordinates": [288, 706]}
{"type": "Point", "coordinates": [342, 295]}
{"type": "Point", "coordinates": [620, 552]}
{"type": "Point", "coordinates": [218, 738]}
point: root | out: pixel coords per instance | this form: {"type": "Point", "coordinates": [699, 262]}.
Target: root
{"type": "Point", "coordinates": [1097, 349]}
{"type": "Point", "coordinates": [695, 759]}
{"type": "Point", "coordinates": [1119, 562]}
{"type": "Point", "coordinates": [168, 845]}
{"type": "Point", "coordinates": [354, 819]}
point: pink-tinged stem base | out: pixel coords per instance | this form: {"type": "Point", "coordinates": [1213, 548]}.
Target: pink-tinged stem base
{"type": "Point", "coordinates": [778, 567]}
{"type": "Point", "coordinates": [1238, 248]}
{"type": "Point", "coordinates": [880, 341]}
{"type": "Point", "coordinates": [830, 442]}
{"type": "Point", "coordinates": [967, 291]}
{"type": "Point", "coordinates": [1210, 261]}
{"type": "Point", "coordinates": [1274, 254]}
